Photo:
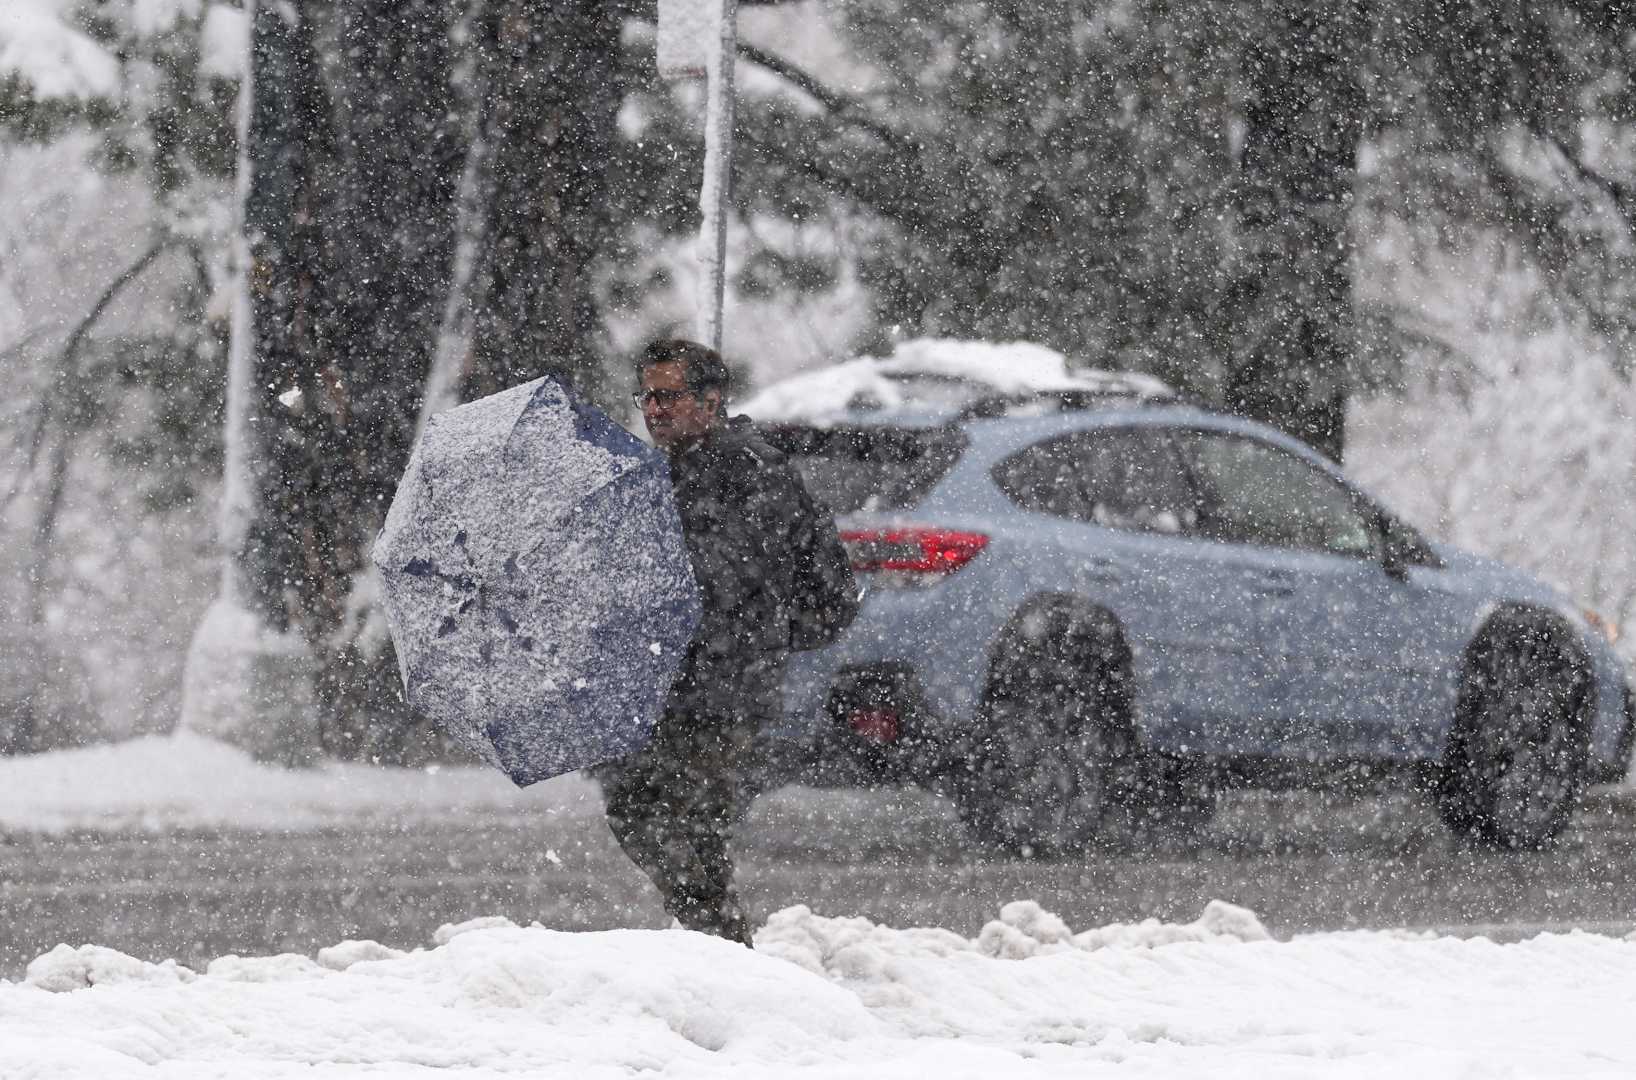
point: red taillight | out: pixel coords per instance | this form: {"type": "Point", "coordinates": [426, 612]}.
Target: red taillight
{"type": "Point", "coordinates": [875, 725]}
{"type": "Point", "coordinates": [912, 550]}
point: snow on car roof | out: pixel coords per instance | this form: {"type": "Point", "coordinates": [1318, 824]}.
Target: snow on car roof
{"type": "Point", "coordinates": [937, 375]}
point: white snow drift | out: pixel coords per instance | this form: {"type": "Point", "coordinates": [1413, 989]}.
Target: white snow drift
{"type": "Point", "coordinates": [826, 997]}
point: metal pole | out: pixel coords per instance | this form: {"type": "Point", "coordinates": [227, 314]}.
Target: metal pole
{"type": "Point", "coordinates": [718, 169]}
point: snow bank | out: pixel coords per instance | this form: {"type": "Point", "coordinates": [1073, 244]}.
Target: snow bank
{"type": "Point", "coordinates": [190, 781]}
{"type": "Point", "coordinates": [844, 998]}
{"type": "Point", "coordinates": [961, 367]}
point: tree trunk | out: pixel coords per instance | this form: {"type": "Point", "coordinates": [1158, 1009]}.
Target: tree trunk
{"type": "Point", "coordinates": [1290, 302]}
{"type": "Point", "coordinates": [549, 109]}
{"type": "Point", "coordinates": [387, 210]}
{"type": "Point", "coordinates": [250, 671]}
{"type": "Point", "coordinates": [352, 157]}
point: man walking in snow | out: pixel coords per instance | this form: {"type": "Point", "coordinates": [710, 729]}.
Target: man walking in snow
{"type": "Point", "coordinates": [772, 577]}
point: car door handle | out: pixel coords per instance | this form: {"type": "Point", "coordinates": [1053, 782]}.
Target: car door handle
{"type": "Point", "coordinates": [1272, 582]}
{"type": "Point", "coordinates": [1100, 572]}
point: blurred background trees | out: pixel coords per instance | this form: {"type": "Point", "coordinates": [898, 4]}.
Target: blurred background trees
{"type": "Point", "coordinates": [1323, 216]}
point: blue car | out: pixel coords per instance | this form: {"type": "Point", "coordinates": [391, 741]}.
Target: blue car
{"type": "Point", "coordinates": [1086, 613]}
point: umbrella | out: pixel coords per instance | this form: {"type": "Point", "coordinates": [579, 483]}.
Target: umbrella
{"type": "Point", "coordinates": [535, 580]}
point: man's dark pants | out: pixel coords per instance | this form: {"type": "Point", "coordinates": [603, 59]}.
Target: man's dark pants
{"type": "Point", "coordinates": [671, 806]}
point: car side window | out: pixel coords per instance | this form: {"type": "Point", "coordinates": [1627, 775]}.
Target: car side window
{"type": "Point", "coordinates": [1125, 478]}
{"type": "Point", "coordinates": [1256, 493]}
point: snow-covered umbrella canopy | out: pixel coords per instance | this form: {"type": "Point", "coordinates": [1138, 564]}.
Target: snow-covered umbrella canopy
{"type": "Point", "coordinates": [536, 582]}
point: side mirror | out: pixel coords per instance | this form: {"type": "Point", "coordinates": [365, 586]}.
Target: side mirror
{"type": "Point", "coordinates": [1393, 558]}
{"type": "Point", "coordinates": [1401, 548]}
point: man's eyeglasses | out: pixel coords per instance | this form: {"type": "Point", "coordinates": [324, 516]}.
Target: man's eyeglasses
{"type": "Point", "coordinates": [662, 398]}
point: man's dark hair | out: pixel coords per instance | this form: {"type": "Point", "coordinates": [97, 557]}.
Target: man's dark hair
{"type": "Point", "coordinates": [704, 367]}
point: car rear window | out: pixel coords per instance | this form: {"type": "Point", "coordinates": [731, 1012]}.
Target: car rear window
{"type": "Point", "coordinates": [870, 468]}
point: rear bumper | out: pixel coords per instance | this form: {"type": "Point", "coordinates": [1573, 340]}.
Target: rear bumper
{"type": "Point", "coordinates": [941, 635]}
{"type": "Point", "coordinates": [874, 726]}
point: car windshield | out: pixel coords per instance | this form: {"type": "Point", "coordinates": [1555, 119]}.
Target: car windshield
{"type": "Point", "coordinates": [854, 469]}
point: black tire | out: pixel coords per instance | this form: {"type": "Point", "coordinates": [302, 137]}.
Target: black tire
{"type": "Point", "coordinates": [1055, 764]}
{"type": "Point", "coordinates": [1518, 748]}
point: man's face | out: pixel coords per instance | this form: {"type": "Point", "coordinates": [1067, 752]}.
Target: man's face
{"type": "Point", "coordinates": [676, 417]}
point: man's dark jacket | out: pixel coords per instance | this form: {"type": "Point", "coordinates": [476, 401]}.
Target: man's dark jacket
{"type": "Point", "coordinates": [770, 568]}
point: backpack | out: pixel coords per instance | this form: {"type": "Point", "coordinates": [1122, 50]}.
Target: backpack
{"type": "Point", "coordinates": [824, 595]}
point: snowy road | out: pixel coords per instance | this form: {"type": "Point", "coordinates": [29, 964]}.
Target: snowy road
{"type": "Point", "coordinates": [1304, 862]}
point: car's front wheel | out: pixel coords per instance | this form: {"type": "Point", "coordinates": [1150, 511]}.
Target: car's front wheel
{"type": "Point", "coordinates": [1517, 750]}
{"type": "Point", "coordinates": [1055, 764]}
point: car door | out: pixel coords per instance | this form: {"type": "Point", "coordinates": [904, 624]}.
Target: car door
{"type": "Point", "coordinates": [1206, 632]}
{"type": "Point", "coordinates": [1358, 640]}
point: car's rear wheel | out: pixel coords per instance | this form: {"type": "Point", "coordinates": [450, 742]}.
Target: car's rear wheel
{"type": "Point", "coordinates": [1055, 764]}
{"type": "Point", "coordinates": [1518, 747]}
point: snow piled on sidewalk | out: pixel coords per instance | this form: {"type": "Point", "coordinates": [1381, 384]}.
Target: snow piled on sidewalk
{"type": "Point", "coordinates": [832, 998]}
{"type": "Point", "coordinates": [188, 781]}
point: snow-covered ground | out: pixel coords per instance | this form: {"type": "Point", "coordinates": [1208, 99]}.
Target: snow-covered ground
{"type": "Point", "coordinates": [819, 997]}
{"type": "Point", "coordinates": [826, 997]}
{"type": "Point", "coordinates": [186, 781]}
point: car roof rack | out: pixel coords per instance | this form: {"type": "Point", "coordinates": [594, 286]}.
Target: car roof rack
{"type": "Point", "coordinates": [993, 406]}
